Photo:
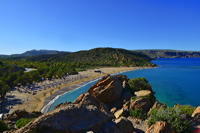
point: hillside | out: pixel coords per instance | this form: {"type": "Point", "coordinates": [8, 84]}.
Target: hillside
{"type": "Point", "coordinates": [34, 53]}
{"type": "Point", "coordinates": [105, 57]}
{"type": "Point", "coordinates": [153, 53]}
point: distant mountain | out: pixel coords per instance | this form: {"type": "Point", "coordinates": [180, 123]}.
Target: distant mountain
{"type": "Point", "coordinates": [33, 53]}
{"type": "Point", "coordinates": [156, 53]}
{"type": "Point", "coordinates": [105, 57]}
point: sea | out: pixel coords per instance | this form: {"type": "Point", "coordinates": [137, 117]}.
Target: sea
{"type": "Point", "coordinates": [174, 80]}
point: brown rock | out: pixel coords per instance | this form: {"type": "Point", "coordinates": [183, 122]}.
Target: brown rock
{"type": "Point", "coordinates": [108, 89]}
{"type": "Point", "coordinates": [61, 105]}
{"type": "Point", "coordinates": [113, 110]}
{"type": "Point", "coordinates": [104, 109]}
{"type": "Point", "coordinates": [144, 100]}
{"type": "Point", "coordinates": [160, 127]}
{"type": "Point", "coordinates": [157, 105]}
{"type": "Point", "coordinates": [86, 99]}
{"type": "Point", "coordinates": [145, 93]}
{"type": "Point", "coordinates": [124, 125]}
{"type": "Point", "coordinates": [196, 112]}
{"type": "Point", "coordinates": [79, 98]}
{"type": "Point", "coordinates": [71, 118]}
{"type": "Point", "coordinates": [110, 127]}
{"type": "Point", "coordinates": [122, 112]}
{"type": "Point", "coordinates": [121, 101]}
{"type": "Point", "coordinates": [142, 103]}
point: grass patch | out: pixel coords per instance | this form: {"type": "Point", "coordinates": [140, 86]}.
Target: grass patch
{"type": "Point", "coordinates": [23, 121]}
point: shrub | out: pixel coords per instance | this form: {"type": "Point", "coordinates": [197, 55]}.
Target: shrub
{"type": "Point", "coordinates": [138, 84]}
{"type": "Point", "coordinates": [23, 121]}
{"type": "Point", "coordinates": [186, 109]}
{"type": "Point", "coordinates": [137, 114]}
{"type": "Point", "coordinates": [3, 126]}
{"type": "Point", "coordinates": [170, 115]}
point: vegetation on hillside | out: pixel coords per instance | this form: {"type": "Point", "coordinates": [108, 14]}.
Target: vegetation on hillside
{"type": "Point", "coordinates": [58, 65]}
{"type": "Point", "coordinates": [138, 84]}
{"type": "Point", "coordinates": [106, 57]}
{"type": "Point", "coordinates": [171, 115]}
{"type": "Point", "coordinates": [23, 122]}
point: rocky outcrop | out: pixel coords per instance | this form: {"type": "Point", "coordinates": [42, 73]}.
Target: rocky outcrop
{"type": "Point", "coordinates": [86, 99]}
{"type": "Point", "coordinates": [160, 127]}
{"type": "Point", "coordinates": [72, 118]}
{"type": "Point", "coordinates": [103, 108]}
{"type": "Point", "coordinates": [157, 105]}
{"type": "Point", "coordinates": [120, 125]}
{"type": "Point", "coordinates": [89, 111]}
{"type": "Point", "coordinates": [61, 104]}
{"type": "Point", "coordinates": [108, 89]}
{"type": "Point", "coordinates": [124, 125]}
{"type": "Point", "coordinates": [196, 112]}
{"type": "Point", "coordinates": [143, 100]}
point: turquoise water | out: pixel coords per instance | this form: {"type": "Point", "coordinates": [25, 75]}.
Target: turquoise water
{"type": "Point", "coordinates": [176, 80]}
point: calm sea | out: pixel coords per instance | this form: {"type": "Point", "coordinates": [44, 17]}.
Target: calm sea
{"type": "Point", "coordinates": [176, 80]}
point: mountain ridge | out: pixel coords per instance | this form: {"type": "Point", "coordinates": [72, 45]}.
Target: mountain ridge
{"type": "Point", "coordinates": [168, 53]}
{"type": "Point", "coordinates": [34, 53]}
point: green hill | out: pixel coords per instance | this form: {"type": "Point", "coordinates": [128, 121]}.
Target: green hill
{"type": "Point", "coordinates": [105, 57]}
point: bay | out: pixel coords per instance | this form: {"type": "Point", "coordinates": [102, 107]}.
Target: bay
{"type": "Point", "coordinates": [175, 80]}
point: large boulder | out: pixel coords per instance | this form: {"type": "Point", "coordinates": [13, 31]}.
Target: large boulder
{"type": "Point", "coordinates": [124, 125]}
{"type": "Point", "coordinates": [71, 118]}
{"type": "Point", "coordinates": [108, 89]}
{"type": "Point", "coordinates": [157, 105]}
{"type": "Point", "coordinates": [86, 99]}
{"type": "Point", "coordinates": [120, 125]}
{"type": "Point", "coordinates": [122, 100]}
{"type": "Point", "coordinates": [142, 103]}
{"type": "Point", "coordinates": [160, 127]}
{"type": "Point", "coordinates": [122, 112]}
{"type": "Point", "coordinates": [143, 100]}
{"type": "Point", "coordinates": [196, 112]}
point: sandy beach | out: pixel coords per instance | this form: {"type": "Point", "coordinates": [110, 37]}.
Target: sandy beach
{"type": "Point", "coordinates": [29, 102]}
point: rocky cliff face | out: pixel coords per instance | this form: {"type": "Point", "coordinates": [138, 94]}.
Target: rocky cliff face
{"type": "Point", "coordinates": [104, 108]}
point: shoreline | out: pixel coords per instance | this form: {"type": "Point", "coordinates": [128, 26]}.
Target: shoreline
{"type": "Point", "coordinates": [48, 101]}
{"type": "Point", "coordinates": [37, 102]}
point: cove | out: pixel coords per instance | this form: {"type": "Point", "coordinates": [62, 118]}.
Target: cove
{"type": "Point", "coordinates": [175, 80]}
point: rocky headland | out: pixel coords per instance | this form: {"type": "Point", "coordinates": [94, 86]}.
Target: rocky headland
{"type": "Point", "coordinates": [115, 104]}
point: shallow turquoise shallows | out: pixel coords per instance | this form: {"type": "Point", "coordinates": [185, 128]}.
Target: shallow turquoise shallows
{"type": "Point", "coordinates": [176, 80]}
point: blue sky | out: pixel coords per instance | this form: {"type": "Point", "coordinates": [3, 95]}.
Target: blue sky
{"type": "Point", "coordinates": [73, 25]}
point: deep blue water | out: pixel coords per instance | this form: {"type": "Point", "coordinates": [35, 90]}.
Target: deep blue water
{"type": "Point", "coordinates": [176, 80]}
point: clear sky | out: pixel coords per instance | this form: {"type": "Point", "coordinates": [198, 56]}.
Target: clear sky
{"type": "Point", "coordinates": [73, 25]}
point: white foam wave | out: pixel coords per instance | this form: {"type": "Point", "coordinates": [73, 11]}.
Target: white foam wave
{"type": "Point", "coordinates": [47, 106]}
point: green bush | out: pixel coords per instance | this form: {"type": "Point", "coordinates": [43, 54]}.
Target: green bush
{"type": "Point", "coordinates": [170, 115]}
{"type": "Point", "coordinates": [137, 114]}
{"type": "Point", "coordinates": [3, 126]}
{"type": "Point", "coordinates": [186, 109]}
{"type": "Point", "coordinates": [138, 84]}
{"type": "Point", "coordinates": [23, 121]}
